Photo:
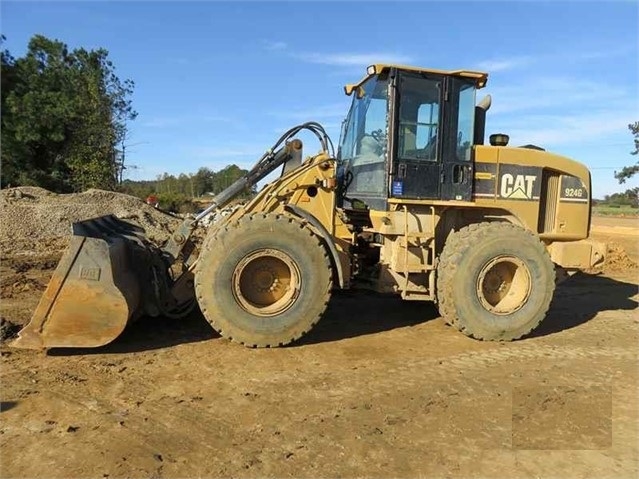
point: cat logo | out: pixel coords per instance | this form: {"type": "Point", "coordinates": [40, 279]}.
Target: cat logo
{"type": "Point", "coordinates": [517, 187]}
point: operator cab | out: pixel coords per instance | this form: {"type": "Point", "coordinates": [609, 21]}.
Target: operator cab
{"type": "Point", "coordinates": [409, 135]}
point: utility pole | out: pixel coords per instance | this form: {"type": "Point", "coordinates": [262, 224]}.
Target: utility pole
{"type": "Point", "coordinates": [122, 166]}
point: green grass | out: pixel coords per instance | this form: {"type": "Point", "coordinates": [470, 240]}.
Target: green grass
{"type": "Point", "coordinates": [608, 210]}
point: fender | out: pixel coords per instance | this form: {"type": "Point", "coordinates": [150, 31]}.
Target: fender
{"type": "Point", "coordinates": [297, 211]}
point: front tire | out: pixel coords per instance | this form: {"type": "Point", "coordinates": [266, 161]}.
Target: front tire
{"type": "Point", "coordinates": [495, 281]}
{"type": "Point", "coordinates": [263, 281]}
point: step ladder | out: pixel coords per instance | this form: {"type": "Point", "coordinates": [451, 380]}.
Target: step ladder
{"type": "Point", "coordinates": [419, 238]}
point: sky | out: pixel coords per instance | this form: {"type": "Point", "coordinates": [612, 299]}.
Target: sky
{"type": "Point", "coordinates": [217, 83]}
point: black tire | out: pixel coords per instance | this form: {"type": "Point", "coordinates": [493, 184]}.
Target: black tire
{"type": "Point", "coordinates": [495, 281]}
{"type": "Point", "coordinates": [263, 281]}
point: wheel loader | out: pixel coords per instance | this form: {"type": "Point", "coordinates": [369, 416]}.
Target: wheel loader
{"type": "Point", "coordinates": [412, 202]}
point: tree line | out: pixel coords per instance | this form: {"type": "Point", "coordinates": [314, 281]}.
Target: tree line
{"type": "Point", "coordinates": [64, 115]}
{"type": "Point", "coordinates": [177, 193]}
{"type": "Point", "coordinates": [64, 112]}
{"type": "Point", "coordinates": [629, 197]}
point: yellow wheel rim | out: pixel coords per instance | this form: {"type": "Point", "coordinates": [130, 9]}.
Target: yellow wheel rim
{"type": "Point", "coordinates": [504, 285]}
{"type": "Point", "coordinates": [266, 282]}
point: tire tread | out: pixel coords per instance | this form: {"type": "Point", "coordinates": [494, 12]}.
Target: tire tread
{"type": "Point", "coordinates": [456, 247]}
{"type": "Point", "coordinates": [202, 289]}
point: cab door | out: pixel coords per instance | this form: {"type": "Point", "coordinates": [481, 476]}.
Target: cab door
{"type": "Point", "coordinates": [457, 165]}
{"type": "Point", "coordinates": [416, 165]}
{"type": "Point", "coordinates": [433, 144]}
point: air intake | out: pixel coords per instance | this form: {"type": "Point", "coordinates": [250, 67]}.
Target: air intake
{"type": "Point", "coordinates": [549, 200]}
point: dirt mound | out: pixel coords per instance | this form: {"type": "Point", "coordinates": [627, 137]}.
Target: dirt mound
{"type": "Point", "coordinates": [617, 259]}
{"type": "Point", "coordinates": [36, 220]}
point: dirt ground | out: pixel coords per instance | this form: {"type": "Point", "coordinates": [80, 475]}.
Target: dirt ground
{"type": "Point", "coordinates": [380, 388]}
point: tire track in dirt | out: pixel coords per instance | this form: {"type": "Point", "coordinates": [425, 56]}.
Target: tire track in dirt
{"type": "Point", "coordinates": [442, 367]}
{"type": "Point", "coordinates": [143, 425]}
{"type": "Point", "coordinates": [394, 409]}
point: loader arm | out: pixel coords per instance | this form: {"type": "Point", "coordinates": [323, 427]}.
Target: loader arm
{"type": "Point", "coordinates": [112, 274]}
{"type": "Point", "coordinates": [267, 164]}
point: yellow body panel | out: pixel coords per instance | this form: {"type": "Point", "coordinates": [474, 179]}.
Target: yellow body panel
{"type": "Point", "coordinates": [572, 218]}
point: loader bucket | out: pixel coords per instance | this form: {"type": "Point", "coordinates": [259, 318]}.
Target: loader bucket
{"type": "Point", "coordinates": [95, 290]}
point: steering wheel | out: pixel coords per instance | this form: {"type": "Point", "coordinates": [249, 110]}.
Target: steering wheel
{"type": "Point", "coordinates": [380, 136]}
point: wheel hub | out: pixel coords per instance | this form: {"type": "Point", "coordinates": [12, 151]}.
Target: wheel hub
{"type": "Point", "coordinates": [504, 285]}
{"type": "Point", "coordinates": [266, 282]}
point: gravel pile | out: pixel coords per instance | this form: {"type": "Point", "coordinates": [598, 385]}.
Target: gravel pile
{"type": "Point", "coordinates": [216, 216]}
{"type": "Point", "coordinates": [36, 220]}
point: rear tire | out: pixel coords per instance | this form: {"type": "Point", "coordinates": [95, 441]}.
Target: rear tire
{"type": "Point", "coordinates": [495, 281]}
{"type": "Point", "coordinates": [263, 281]}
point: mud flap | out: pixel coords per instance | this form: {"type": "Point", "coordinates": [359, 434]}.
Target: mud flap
{"type": "Point", "coordinates": [95, 290]}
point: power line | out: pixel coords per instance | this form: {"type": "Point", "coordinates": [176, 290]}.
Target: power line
{"type": "Point", "coordinates": [122, 165]}
{"type": "Point", "coordinates": [606, 167]}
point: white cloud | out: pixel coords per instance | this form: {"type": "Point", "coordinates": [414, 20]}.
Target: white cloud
{"type": "Point", "coordinates": [609, 51]}
{"type": "Point", "coordinates": [561, 111]}
{"type": "Point", "coordinates": [353, 59]}
{"type": "Point", "coordinates": [502, 64]}
{"type": "Point", "coordinates": [561, 130]}
{"type": "Point", "coordinates": [274, 45]}
{"type": "Point", "coordinates": [340, 59]}
{"type": "Point", "coordinates": [561, 57]}
{"type": "Point", "coordinates": [552, 93]}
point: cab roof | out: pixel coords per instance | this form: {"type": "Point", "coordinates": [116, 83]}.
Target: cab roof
{"type": "Point", "coordinates": [480, 77]}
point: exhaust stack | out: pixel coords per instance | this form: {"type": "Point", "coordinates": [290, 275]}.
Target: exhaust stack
{"type": "Point", "coordinates": [480, 119]}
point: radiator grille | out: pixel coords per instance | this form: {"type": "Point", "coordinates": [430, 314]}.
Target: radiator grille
{"type": "Point", "coordinates": [549, 198]}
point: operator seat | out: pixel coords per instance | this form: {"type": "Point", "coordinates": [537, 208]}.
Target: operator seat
{"type": "Point", "coordinates": [368, 147]}
{"type": "Point", "coordinates": [368, 166]}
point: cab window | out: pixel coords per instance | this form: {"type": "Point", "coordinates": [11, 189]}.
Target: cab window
{"type": "Point", "coordinates": [419, 118]}
{"type": "Point", "coordinates": [465, 122]}
{"type": "Point", "coordinates": [362, 150]}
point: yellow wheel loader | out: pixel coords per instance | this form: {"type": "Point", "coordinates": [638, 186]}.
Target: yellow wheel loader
{"type": "Point", "coordinates": [412, 202]}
